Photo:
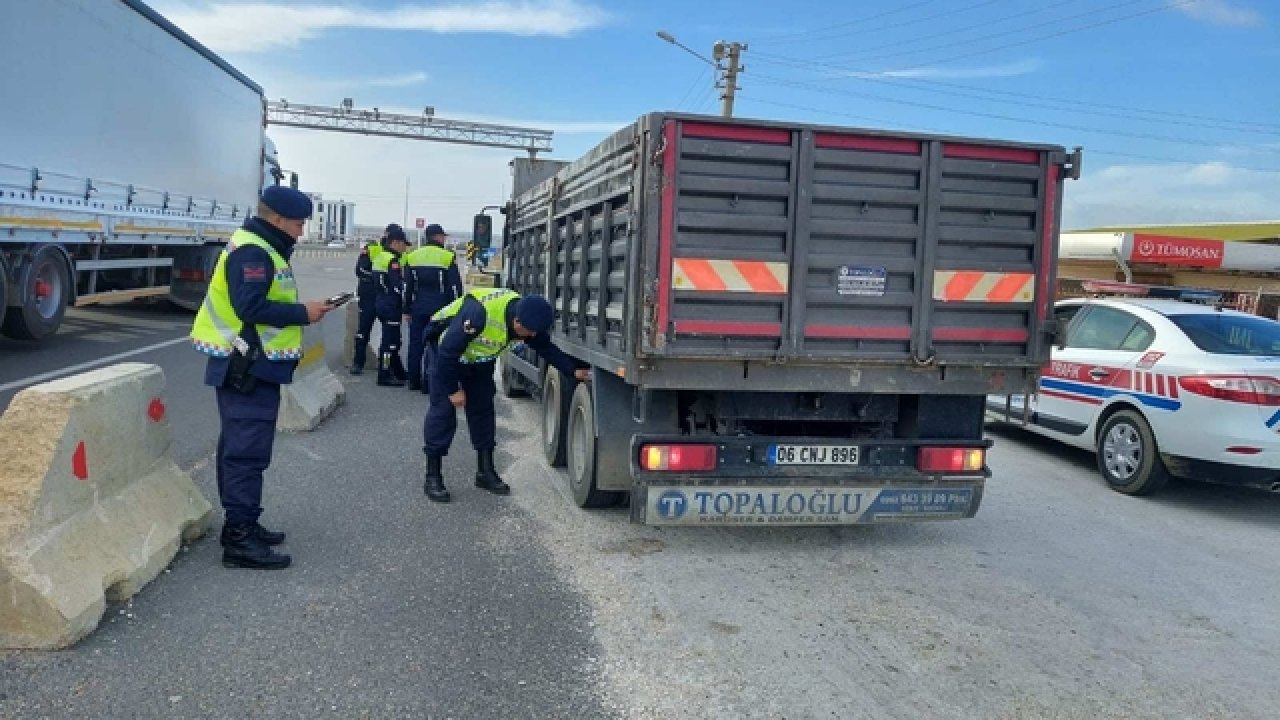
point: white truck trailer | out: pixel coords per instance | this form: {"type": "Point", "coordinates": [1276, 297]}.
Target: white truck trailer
{"type": "Point", "coordinates": [129, 152]}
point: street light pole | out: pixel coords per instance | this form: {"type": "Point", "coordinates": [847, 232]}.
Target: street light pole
{"type": "Point", "coordinates": [728, 76]}
{"type": "Point", "coordinates": [732, 52]}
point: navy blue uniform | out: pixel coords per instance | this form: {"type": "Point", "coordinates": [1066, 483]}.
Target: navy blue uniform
{"type": "Point", "coordinates": [426, 291]}
{"type": "Point", "coordinates": [367, 290]}
{"type": "Point", "coordinates": [390, 306]}
{"type": "Point", "coordinates": [248, 420]}
{"type": "Point", "coordinates": [448, 375]}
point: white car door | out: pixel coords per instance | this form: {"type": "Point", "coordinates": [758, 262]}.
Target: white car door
{"type": "Point", "coordinates": [1103, 345]}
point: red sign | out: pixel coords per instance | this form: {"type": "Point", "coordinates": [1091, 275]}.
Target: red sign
{"type": "Point", "coordinates": [1188, 252]}
{"type": "Point", "coordinates": [420, 223]}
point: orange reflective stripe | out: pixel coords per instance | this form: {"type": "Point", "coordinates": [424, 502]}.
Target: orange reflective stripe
{"type": "Point", "coordinates": [744, 276]}
{"type": "Point", "coordinates": [962, 283]}
{"type": "Point", "coordinates": [984, 287]}
{"type": "Point", "coordinates": [759, 277]}
{"type": "Point", "coordinates": [1009, 287]}
{"type": "Point", "coordinates": [699, 273]}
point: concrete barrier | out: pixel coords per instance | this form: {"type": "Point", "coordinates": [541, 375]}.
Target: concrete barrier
{"type": "Point", "coordinates": [315, 392]}
{"type": "Point", "coordinates": [91, 505]}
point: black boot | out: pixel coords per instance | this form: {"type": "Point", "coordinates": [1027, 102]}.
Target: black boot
{"type": "Point", "coordinates": [415, 385]}
{"type": "Point", "coordinates": [487, 477]}
{"type": "Point", "coordinates": [397, 368]}
{"type": "Point", "coordinates": [386, 377]}
{"type": "Point", "coordinates": [434, 484]}
{"type": "Point", "coordinates": [242, 548]}
{"type": "Point", "coordinates": [357, 357]}
{"type": "Point", "coordinates": [268, 537]}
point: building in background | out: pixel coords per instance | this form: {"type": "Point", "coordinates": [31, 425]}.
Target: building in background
{"type": "Point", "coordinates": [332, 222]}
{"type": "Point", "coordinates": [1239, 260]}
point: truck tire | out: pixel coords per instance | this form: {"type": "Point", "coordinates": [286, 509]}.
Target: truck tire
{"type": "Point", "coordinates": [1128, 457]}
{"type": "Point", "coordinates": [555, 410]}
{"type": "Point", "coordinates": [580, 449]}
{"type": "Point", "coordinates": [510, 381]}
{"type": "Point", "coordinates": [44, 288]}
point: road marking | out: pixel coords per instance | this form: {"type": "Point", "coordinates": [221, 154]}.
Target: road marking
{"type": "Point", "coordinates": [53, 374]}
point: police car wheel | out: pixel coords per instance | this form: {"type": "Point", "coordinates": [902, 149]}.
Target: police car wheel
{"type": "Point", "coordinates": [580, 440]}
{"type": "Point", "coordinates": [555, 408]}
{"type": "Point", "coordinates": [1128, 457]}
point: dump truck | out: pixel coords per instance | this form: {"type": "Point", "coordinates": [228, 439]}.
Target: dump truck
{"type": "Point", "coordinates": [788, 324]}
{"type": "Point", "coordinates": [128, 156]}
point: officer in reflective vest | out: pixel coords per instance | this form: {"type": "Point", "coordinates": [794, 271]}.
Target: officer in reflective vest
{"type": "Point", "coordinates": [388, 273]}
{"type": "Point", "coordinates": [473, 330]}
{"type": "Point", "coordinates": [367, 290]}
{"type": "Point", "coordinates": [431, 281]}
{"type": "Point", "coordinates": [250, 326]}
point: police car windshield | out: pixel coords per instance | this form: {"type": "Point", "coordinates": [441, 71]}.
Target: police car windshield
{"type": "Point", "coordinates": [1223, 334]}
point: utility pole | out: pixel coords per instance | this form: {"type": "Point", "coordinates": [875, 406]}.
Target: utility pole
{"type": "Point", "coordinates": [733, 53]}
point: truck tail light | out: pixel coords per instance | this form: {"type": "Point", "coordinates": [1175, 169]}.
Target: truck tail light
{"type": "Point", "coordinates": [1234, 388]}
{"type": "Point", "coordinates": [678, 458]}
{"type": "Point", "coordinates": [951, 460]}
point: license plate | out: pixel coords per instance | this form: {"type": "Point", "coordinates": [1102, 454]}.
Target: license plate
{"type": "Point", "coordinates": [813, 454]}
{"type": "Point", "coordinates": [804, 505]}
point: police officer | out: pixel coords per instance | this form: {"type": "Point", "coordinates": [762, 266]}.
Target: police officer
{"type": "Point", "coordinates": [431, 281]}
{"type": "Point", "coordinates": [367, 290]}
{"type": "Point", "coordinates": [388, 274]}
{"type": "Point", "coordinates": [475, 329]}
{"type": "Point", "coordinates": [250, 326]}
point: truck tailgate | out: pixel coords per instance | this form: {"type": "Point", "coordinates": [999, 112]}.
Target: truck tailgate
{"type": "Point", "coordinates": [833, 244]}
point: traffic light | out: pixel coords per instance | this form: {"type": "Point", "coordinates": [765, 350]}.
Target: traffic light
{"type": "Point", "coordinates": [482, 231]}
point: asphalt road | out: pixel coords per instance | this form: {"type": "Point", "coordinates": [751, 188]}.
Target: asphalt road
{"type": "Point", "coordinates": [1061, 599]}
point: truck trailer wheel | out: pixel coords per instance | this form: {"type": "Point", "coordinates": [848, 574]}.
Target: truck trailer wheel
{"type": "Point", "coordinates": [555, 408]}
{"type": "Point", "coordinates": [580, 448]}
{"type": "Point", "coordinates": [43, 286]}
{"type": "Point", "coordinates": [4, 287]}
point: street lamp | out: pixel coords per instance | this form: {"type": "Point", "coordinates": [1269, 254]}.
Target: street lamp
{"type": "Point", "coordinates": [671, 39]}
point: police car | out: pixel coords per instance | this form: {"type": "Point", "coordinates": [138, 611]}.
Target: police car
{"type": "Point", "coordinates": [1157, 385]}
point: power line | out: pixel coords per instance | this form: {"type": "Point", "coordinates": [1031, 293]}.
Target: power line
{"type": "Point", "coordinates": [699, 80]}
{"type": "Point", "coordinates": [997, 116]}
{"type": "Point", "coordinates": [1090, 26]}
{"type": "Point", "coordinates": [1048, 103]}
{"type": "Point", "coordinates": [1089, 151]}
{"type": "Point", "coordinates": [787, 38]}
{"type": "Point", "coordinates": [950, 32]}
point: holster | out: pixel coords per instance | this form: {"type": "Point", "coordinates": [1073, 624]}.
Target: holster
{"type": "Point", "coordinates": [239, 375]}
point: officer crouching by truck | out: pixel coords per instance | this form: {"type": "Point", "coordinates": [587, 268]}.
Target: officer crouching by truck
{"type": "Point", "coordinates": [472, 332]}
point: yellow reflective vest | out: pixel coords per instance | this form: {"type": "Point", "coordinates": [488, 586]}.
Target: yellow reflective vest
{"type": "Point", "coordinates": [217, 326]}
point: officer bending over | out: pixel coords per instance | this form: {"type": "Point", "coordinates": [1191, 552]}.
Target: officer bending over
{"type": "Point", "coordinates": [473, 330]}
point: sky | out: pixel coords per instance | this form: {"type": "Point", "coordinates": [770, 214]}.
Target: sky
{"type": "Point", "coordinates": [1173, 101]}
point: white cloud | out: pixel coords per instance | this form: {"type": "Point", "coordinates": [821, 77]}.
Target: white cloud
{"type": "Point", "coordinates": [393, 81]}
{"type": "Point", "coordinates": [223, 25]}
{"type": "Point", "coordinates": [1219, 12]}
{"type": "Point", "coordinates": [1170, 193]}
{"type": "Point", "coordinates": [1015, 69]}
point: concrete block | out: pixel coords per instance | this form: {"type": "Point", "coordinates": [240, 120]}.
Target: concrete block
{"type": "Point", "coordinates": [92, 507]}
{"type": "Point", "coordinates": [315, 392]}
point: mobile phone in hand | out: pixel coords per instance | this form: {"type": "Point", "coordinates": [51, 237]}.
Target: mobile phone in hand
{"type": "Point", "coordinates": [340, 299]}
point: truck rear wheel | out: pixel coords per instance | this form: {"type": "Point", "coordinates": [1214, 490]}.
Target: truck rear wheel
{"type": "Point", "coordinates": [555, 408]}
{"type": "Point", "coordinates": [580, 446]}
{"type": "Point", "coordinates": [44, 288]}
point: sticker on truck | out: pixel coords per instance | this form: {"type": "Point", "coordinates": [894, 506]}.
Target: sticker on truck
{"type": "Point", "coordinates": [803, 505]}
{"type": "Point", "coordinates": [861, 280]}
